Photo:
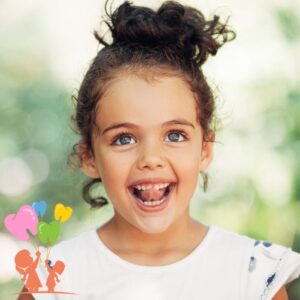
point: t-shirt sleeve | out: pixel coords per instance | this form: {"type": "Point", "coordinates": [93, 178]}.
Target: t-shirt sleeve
{"type": "Point", "coordinates": [270, 267]}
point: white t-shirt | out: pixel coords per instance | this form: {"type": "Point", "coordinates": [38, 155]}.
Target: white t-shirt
{"type": "Point", "coordinates": [225, 265]}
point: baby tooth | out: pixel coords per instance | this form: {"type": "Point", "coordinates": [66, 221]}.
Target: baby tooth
{"type": "Point", "coordinates": [151, 186]}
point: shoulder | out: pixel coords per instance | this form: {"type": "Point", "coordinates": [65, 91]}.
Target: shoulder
{"type": "Point", "coordinates": [229, 249]}
{"type": "Point", "coordinates": [78, 243]}
{"type": "Point", "coordinates": [71, 251]}
{"type": "Point", "coordinates": [78, 256]}
{"type": "Point", "coordinates": [231, 241]}
{"type": "Point", "coordinates": [271, 266]}
{"type": "Point", "coordinates": [265, 267]}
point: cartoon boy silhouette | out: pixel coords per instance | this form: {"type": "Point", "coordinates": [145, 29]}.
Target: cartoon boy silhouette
{"type": "Point", "coordinates": [52, 279]}
{"type": "Point", "coordinates": [26, 266]}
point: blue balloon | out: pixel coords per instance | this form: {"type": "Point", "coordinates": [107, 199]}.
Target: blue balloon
{"type": "Point", "coordinates": [39, 207]}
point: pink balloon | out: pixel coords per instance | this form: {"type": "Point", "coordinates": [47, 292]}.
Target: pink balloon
{"type": "Point", "coordinates": [25, 219]}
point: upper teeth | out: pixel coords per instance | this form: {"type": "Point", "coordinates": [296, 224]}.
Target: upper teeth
{"type": "Point", "coordinates": [151, 186]}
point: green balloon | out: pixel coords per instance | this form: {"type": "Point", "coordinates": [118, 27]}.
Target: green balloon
{"type": "Point", "coordinates": [48, 232]}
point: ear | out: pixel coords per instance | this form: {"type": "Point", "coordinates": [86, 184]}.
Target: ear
{"type": "Point", "coordinates": [88, 165]}
{"type": "Point", "coordinates": [207, 151]}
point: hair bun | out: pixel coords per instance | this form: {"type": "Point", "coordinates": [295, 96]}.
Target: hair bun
{"type": "Point", "coordinates": [131, 24]}
{"type": "Point", "coordinates": [173, 25]}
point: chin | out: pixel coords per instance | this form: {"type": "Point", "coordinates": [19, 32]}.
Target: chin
{"type": "Point", "coordinates": [154, 229]}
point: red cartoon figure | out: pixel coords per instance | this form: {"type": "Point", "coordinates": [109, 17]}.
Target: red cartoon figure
{"type": "Point", "coordinates": [26, 266]}
{"type": "Point", "coordinates": [52, 279]}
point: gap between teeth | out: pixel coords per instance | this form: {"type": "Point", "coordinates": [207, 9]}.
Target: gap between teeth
{"type": "Point", "coordinates": [148, 187]}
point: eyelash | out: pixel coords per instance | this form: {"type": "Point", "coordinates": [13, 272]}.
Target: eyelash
{"type": "Point", "coordinates": [124, 133]}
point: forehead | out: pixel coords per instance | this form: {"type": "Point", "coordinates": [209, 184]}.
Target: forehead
{"type": "Point", "coordinates": [133, 98]}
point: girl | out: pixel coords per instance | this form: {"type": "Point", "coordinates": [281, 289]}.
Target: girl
{"type": "Point", "coordinates": [145, 117]}
{"type": "Point", "coordinates": [26, 266]}
{"type": "Point", "coordinates": [53, 272]}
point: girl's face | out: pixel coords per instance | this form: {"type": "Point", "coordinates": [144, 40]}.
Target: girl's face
{"type": "Point", "coordinates": [23, 259]}
{"type": "Point", "coordinates": [148, 134]}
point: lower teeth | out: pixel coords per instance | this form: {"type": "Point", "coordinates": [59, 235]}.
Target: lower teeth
{"type": "Point", "coordinates": [152, 203]}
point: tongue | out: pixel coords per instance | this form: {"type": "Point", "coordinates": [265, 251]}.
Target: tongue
{"type": "Point", "coordinates": [152, 194]}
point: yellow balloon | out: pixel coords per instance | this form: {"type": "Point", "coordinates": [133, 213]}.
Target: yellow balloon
{"type": "Point", "coordinates": [62, 213]}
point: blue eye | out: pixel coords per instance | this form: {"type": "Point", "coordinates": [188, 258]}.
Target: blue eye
{"type": "Point", "coordinates": [123, 138]}
{"type": "Point", "coordinates": [174, 136]}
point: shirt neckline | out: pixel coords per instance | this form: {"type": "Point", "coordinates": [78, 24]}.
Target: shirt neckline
{"type": "Point", "coordinates": [137, 267]}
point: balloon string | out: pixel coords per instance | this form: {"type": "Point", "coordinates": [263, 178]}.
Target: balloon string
{"type": "Point", "coordinates": [30, 239]}
{"type": "Point", "coordinates": [38, 242]}
{"type": "Point", "coordinates": [36, 249]}
{"type": "Point", "coordinates": [34, 246]}
{"type": "Point", "coordinates": [48, 252]}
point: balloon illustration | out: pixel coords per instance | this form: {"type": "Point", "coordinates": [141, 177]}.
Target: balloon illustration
{"type": "Point", "coordinates": [28, 220]}
{"type": "Point", "coordinates": [48, 232]}
{"type": "Point", "coordinates": [18, 224]}
{"type": "Point", "coordinates": [39, 207]}
{"type": "Point", "coordinates": [62, 213]}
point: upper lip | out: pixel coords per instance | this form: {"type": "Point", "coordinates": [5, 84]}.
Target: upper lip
{"type": "Point", "coordinates": [151, 181]}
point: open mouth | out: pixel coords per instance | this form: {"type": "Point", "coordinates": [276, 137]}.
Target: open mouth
{"type": "Point", "coordinates": [152, 197]}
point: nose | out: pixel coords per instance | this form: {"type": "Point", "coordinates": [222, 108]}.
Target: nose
{"type": "Point", "coordinates": [151, 156]}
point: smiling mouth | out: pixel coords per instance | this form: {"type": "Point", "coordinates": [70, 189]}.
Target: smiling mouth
{"type": "Point", "coordinates": [163, 192]}
{"type": "Point", "coordinates": [152, 197]}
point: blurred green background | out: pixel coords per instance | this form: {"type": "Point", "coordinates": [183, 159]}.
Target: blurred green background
{"type": "Point", "coordinates": [254, 180]}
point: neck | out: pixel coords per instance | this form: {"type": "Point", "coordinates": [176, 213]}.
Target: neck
{"type": "Point", "coordinates": [124, 236]}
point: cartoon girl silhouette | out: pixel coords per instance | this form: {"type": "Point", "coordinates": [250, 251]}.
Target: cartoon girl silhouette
{"type": "Point", "coordinates": [52, 279]}
{"type": "Point", "coordinates": [26, 266]}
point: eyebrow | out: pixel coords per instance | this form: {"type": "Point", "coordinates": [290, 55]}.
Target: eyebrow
{"type": "Point", "coordinates": [134, 126]}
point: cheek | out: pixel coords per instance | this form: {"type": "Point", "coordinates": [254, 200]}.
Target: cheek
{"type": "Point", "coordinates": [188, 183]}
{"type": "Point", "coordinates": [187, 169]}
{"type": "Point", "coordinates": [118, 162]}
{"type": "Point", "coordinates": [114, 166]}
{"type": "Point", "coordinates": [188, 160]}
{"type": "Point", "coordinates": [189, 172]}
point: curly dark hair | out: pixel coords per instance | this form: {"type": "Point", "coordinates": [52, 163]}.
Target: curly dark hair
{"type": "Point", "coordinates": [175, 40]}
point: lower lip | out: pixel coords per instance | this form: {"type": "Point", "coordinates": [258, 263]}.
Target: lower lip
{"type": "Point", "coordinates": [158, 208]}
